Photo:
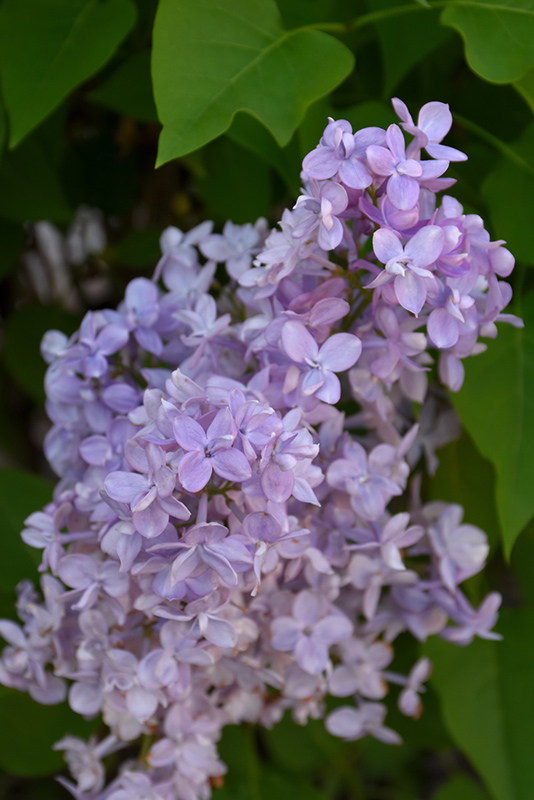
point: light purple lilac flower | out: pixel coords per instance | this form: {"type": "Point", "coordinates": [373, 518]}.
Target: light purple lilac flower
{"type": "Point", "coordinates": [221, 547]}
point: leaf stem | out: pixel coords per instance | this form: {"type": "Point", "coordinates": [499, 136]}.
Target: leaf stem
{"type": "Point", "coordinates": [375, 16]}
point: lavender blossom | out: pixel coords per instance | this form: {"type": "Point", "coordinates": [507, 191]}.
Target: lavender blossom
{"type": "Point", "coordinates": [221, 546]}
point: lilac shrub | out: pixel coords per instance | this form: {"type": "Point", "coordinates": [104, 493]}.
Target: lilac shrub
{"type": "Point", "coordinates": [237, 529]}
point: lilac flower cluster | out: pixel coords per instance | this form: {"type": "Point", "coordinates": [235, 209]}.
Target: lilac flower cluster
{"type": "Point", "coordinates": [220, 547]}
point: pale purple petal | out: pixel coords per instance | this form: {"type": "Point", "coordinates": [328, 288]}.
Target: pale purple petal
{"type": "Point", "coordinates": [111, 338]}
{"type": "Point", "coordinates": [442, 328]}
{"type": "Point", "coordinates": [77, 571]}
{"type": "Point", "coordinates": [194, 471]}
{"type": "Point", "coordinates": [285, 632]}
{"type": "Point", "coordinates": [340, 352]}
{"type": "Point", "coordinates": [333, 628]}
{"type": "Point", "coordinates": [311, 655]}
{"type": "Point", "coordinates": [321, 163]}
{"type": "Point", "coordinates": [435, 120]}
{"type": "Point", "coordinates": [387, 245]}
{"type": "Point", "coordinates": [276, 483]}
{"type": "Point", "coordinates": [433, 169]}
{"type": "Point", "coordinates": [151, 521]}
{"type": "Point", "coordinates": [149, 339]}
{"type": "Point", "coordinates": [353, 173]}
{"type": "Point", "coordinates": [85, 698]}
{"type": "Point", "coordinates": [141, 703]}
{"type": "Point", "coordinates": [330, 389]}
{"type": "Point", "coordinates": [298, 342]}
{"type": "Point", "coordinates": [380, 160]}
{"type": "Point", "coordinates": [403, 191]}
{"type": "Point", "coordinates": [425, 246]}
{"type": "Point", "coordinates": [231, 464]}
{"type": "Point", "coordinates": [125, 486]}
{"type": "Point", "coordinates": [185, 564]}
{"type": "Point", "coordinates": [312, 380]}
{"type": "Point", "coordinates": [345, 722]}
{"type": "Point", "coordinates": [189, 434]}
{"type": "Point", "coordinates": [220, 564]}
{"type": "Point", "coordinates": [219, 632]}
{"type": "Point", "coordinates": [411, 291]}
{"type": "Point", "coordinates": [308, 607]}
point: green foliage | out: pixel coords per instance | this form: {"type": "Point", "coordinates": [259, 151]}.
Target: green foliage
{"type": "Point", "coordinates": [138, 249]}
{"type": "Point", "coordinates": [226, 188]}
{"type": "Point", "coordinates": [129, 89]}
{"type": "Point", "coordinates": [487, 702]}
{"type": "Point", "coordinates": [48, 47]}
{"type": "Point", "coordinates": [222, 79]}
{"type": "Point", "coordinates": [3, 126]}
{"type": "Point", "coordinates": [522, 561]}
{"type": "Point", "coordinates": [513, 221]}
{"type": "Point", "coordinates": [29, 185]}
{"type": "Point", "coordinates": [21, 493]}
{"type": "Point", "coordinates": [24, 331]}
{"type": "Point", "coordinates": [499, 37]}
{"type": "Point", "coordinates": [504, 433]}
{"type": "Point", "coordinates": [525, 86]}
{"type": "Point", "coordinates": [11, 236]}
{"type": "Point", "coordinates": [464, 477]}
{"type": "Point", "coordinates": [406, 40]}
{"type": "Point", "coordinates": [460, 787]}
{"type": "Point", "coordinates": [29, 730]}
{"type": "Point", "coordinates": [252, 135]}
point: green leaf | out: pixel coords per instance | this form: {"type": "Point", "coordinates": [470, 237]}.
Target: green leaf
{"type": "Point", "coordinates": [312, 126]}
{"type": "Point", "coordinates": [251, 777]}
{"type": "Point", "coordinates": [460, 787]}
{"type": "Point", "coordinates": [251, 134]}
{"type": "Point", "coordinates": [212, 58]}
{"type": "Point", "coordinates": [498, 36]}
{"type": "Point", "coordinates": [29, 730]}
{"type": "Point", "coordinates": [496, 406]}
{"type": "Point", "coordinates": [370, 113]}
{"type": "Point", "coordinates": [228, 190]}
{"type": "Point", "coordinates": [406, 40]}
{"type": "Point", "coordinates": [29, 186]}
{"type": "Point", "coordinates": [12, 238]}
{"type": "Point", "coordinates": [23, 333]}
{"type": "Point", "coordinates": [99, 173]}
{"type": "Point", "coordinates": [508, 191]}
{"type": "Point", "coordinates": [129, 89]}
{"type": "Point", "coordinates": [522, 562]}
{"type": "Point", "coordinates": [525, 87]}
{"type": "Point", "coordinates": [464, 477]}
{"type": "Point", "coordinates": [297, 13]}
{"type": "Point", "coordinates": [138, 249]}
{"type": "Point", "coordinates": [488, 704]}
{"type": "Point", "coordinates": [3, 127]}
{"type": "Point", "coordinates": [48, 47]}
{"type": "Point", "coordinates": [21, 493]}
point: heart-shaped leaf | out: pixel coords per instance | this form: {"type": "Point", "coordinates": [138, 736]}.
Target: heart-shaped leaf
{"type": "Point", "coordinates": [499, 36]}
{"type": "Point", "coordinates": [212, 58]}
{"type": "Point", "coordinates": [496, 405]}
{"type": "Point", "coordinates": [488, 705]}
{"type": "Point", "coordinates": [508, 192]}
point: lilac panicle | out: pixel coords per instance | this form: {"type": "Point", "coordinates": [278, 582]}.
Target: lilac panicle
{"type": "Point", "coordinates": [220, 547]}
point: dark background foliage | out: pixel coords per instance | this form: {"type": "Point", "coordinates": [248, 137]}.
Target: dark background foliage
{"type": "Point", "coordinates": [226, 97]}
